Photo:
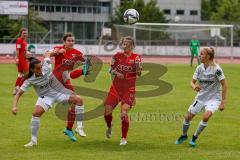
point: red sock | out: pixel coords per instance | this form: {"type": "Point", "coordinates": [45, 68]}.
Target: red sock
{"type": "Point", "coordinates": [18, 80]}
{"type": "Point", "coordinates": [76, 73]}
{"type": "Point", "coordinates": [125, 125]}
{"type": "Point", "coordinates": [71, 118]}
{"type": "Point", "coordinates": [108, 120]}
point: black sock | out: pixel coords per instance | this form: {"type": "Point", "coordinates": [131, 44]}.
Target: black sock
{"type": "Point", "coordinates": [194, 138]}
{"type": "Point", "coordinates": [69, 129]}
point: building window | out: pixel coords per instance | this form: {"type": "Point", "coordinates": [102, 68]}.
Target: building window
{"type": "Point", "coordinates": [42, 8]}
{"type": "Point", "coordinates": [167, 11]}
{"type": "Point", "coordinates": [180, 12]}
{"type": "Point", "coordinates": [50, 8]}
{"type": "Point", "coordinates": [74, 9]}
{"type": "Point", "coordinates": [194, 12]}
{"type": "Point", "coordinates": [36, 8]}
{"type": "Point", "coordinates": [94, 10]}
{"type": "Point", "coordinates": [66, 9]}
{"type": "Point", "coordinates": [81, 10]}
{"type": "Point", "coordinates": [89, 10]}
{"type": "Point", "coordinates": [58, 9]}
{"type": "Point", "coordinates": [98, 10]}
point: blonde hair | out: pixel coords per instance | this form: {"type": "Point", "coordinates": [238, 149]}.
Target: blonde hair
{"type": "Point", "coordinates": [128, 38]}
{"type": "Point", "coordinates": [211, 53]}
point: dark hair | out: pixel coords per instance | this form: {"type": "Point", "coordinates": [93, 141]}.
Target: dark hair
{"type": "Point", "coordinates": [32, 63]}
{"type": "Point", "coordinates": [210, 51]}
{"type": "Point", "coordinates": [66, 35]}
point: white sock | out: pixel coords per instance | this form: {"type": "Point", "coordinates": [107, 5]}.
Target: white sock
{"type": "Point", "coordinates": [185, 127]}
{"type": "Point", "coordinates": [200, 128]}
{"type": "Point", "coordinates": [79, 110]}
{"type": "Point", "coordinates": [35, 123]}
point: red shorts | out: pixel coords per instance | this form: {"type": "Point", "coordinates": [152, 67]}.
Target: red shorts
{"type": "Point", "coordinates": [126, 96]}
{"type": "Point", "coordinates": [22, 66]}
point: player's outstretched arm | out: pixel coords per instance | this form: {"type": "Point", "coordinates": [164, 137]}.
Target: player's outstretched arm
{"type": "Point", "coordinates": [15, 101]}
{"type": "Point", "coordinates": [224, 94]}
{"type": "Point", "coordinates": [47, 54]}
{"type": "Point", "coordinates": [56, 51]}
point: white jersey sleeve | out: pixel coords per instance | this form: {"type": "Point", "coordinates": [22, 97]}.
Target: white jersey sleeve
{"type": "Point", "coordinates": [26, 84]}
{"type": "Point", "coordinates": [47, 66]}
{"type": "Point", "coordinates": [197, 72]}
{"type": "Point", "coordinates": [219, 73]}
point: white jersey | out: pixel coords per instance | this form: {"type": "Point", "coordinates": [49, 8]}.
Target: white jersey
{"type": "Point", "coordinates": [209, 81]}
{"type": "Point", "coordinates": [47, 84]}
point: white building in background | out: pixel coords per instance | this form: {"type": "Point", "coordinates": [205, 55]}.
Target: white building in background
{"type": "Point", "coordinates": [85, 18]}
{"type": "Point", "coordinates": [186, 10]}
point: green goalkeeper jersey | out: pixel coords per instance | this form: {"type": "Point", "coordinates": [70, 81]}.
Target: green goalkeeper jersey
{"type": "Point", "coordinates": [194, 45]}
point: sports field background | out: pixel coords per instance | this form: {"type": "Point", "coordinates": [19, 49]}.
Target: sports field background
{"type": "Point", "coordinates": [147, 139]}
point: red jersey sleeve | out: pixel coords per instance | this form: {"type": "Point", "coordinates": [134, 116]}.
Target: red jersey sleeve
{"type": "Point", "coordinates": [18, 44]}
{"type": "Point", "coordinates": [78, 56]}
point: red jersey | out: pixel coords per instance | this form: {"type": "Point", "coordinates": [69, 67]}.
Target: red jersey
{"type": "Point", "coordinates": [21, 45]}
{"type": "Point", "coordinates": [123, 89]}
{"type": "Point", "coordinates": [65, 63]}
{"type": "Point", "coordinates": [127, 65]}
{"type": "Point", "coordinates": [71, 54]}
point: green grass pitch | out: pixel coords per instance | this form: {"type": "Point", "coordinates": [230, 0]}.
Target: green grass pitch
{"type": "Point", "coordinates": [148, 138]}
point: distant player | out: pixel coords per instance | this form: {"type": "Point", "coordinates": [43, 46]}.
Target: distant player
{"type": "Point", "coordinates": [49, 91]}
{"type": "Point", "coordinates": [21, 58]}
{"type": "Point", "coordinates": [194, 46]}
{"type": "Point", "coordinates": [66, 56]}
{"type": "Point", "coordinates": [125, 67]}
{"type": "Point", "coordinates": [210, 96]}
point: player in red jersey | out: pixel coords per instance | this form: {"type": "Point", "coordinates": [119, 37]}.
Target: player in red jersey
{"type": "Point", "coordinates": [65, 58]}
{"type": "Point", "coordinates": [125, 67]}
{"type": "Point", "coordinates": [21, 58]}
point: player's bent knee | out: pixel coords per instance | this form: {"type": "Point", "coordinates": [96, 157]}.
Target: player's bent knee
{"type": "Point", "coordinates": [124, 117]}
{"type": "Point", "coordinates": [76, 100]}
{"type": "Point", "coordinates": [205, 119]}
{"type": "Point", "coordinates": [206, 116]}
{"type": "Point", "coordinates": [189, 117]}
{"type": "Point", "coordinates": [38, 111]}
{"type": "Point", "coordinates": [108, 110]}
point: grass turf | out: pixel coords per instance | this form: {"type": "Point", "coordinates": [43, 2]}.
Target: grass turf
{"type": "Point", "coordinates": [156, 124]}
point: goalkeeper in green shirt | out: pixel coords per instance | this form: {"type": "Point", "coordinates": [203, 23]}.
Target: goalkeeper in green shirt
{"type": "Point", "coordinates": [194, 46]}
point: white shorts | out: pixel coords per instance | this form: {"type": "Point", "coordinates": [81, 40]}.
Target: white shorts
{"type": "Point", "coordinates": [46, 102]}
{"type": "Point", "coordinates": [211, 105]}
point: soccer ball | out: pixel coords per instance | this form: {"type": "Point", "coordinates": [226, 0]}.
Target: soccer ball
{"type": "Point", "coordinates": [131, 16]}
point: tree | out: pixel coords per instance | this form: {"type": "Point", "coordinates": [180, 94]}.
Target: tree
{"type": "Point", "coordinates": [6, 27]}
{"type": "Point", "coordinates": [149, 13]}
{"type": "Point", "coordinates": [228, 13]}
{"type": "Point", "coordinates": [10, 28]}
{"type": "Point", "coordinates": [208, 8]}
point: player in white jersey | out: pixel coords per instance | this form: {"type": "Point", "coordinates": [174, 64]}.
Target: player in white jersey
{"type": "Point", "coordinates": [211, 94]}
{"type": "Point", "coordinates": [49, 91]}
